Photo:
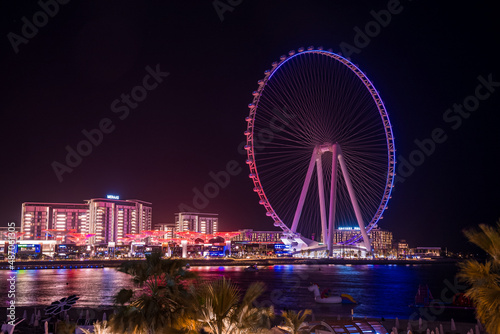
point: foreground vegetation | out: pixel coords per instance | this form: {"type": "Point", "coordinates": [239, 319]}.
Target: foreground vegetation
{"type": "Point", "coordinates": [484, 278]}
{"type": "Point", "coordinates": [170, 299]}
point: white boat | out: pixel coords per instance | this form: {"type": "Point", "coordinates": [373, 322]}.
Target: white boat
{"type": "Point", "coordinates": [324, 298]}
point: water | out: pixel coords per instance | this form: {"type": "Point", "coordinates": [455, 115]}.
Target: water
{"type": "Point", "coordinates": [381, 290]}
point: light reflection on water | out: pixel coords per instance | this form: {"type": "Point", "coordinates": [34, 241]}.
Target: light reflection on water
{"type": "Point", "coordinates": [381, 290]}
{"type": "Point", "coordinates": [41, 287]}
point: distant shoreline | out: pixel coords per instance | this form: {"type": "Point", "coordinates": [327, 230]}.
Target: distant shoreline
{"type": "Point", "coordinates": [77, 264]}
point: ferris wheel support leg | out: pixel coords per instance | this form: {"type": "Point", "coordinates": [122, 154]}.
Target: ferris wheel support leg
{"type": "Point", "coordinates": [333, 199]}
{"type": "Point", "coordinates": [354, 202]}
{"type": "Point", "coordinates": [303, 193]}
{"type": "Point", "coordinates": [321, 191]}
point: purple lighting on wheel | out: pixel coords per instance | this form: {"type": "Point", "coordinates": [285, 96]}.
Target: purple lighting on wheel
{"type": "Point", "coordinates": [325, 121]}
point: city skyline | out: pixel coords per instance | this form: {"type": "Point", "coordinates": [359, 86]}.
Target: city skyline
{"type": "Point", "coordinates": [160, 92]}
{"type": "Point", "coordinates": [110, 221]}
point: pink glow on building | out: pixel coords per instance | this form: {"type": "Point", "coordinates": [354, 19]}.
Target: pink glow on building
{"type": "Point", "coordinates": [107, 220]}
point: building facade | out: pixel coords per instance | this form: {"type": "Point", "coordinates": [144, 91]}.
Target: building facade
{"type": "Point", "coordinates": [401, 247]}
{"type": "Point", "coordinates": [429, 252]}
{"type": "Point", "coordinates": [38, 218]}
{"type": "Point", "coordinates": [109, 219]}
{"type": "Point", "coordinates": [251, 236]}
{"type": "Point", "coordinates": [168, 227]}
{"type": "Point", "coordinates": [196, 222]}
{"type": "Point", "coordinates": [112, 219]}
{"type": "Point", "coordinates": [381, 240]}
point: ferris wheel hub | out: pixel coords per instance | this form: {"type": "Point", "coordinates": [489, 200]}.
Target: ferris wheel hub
{"type": "Point", "coordinates": [326, 147]}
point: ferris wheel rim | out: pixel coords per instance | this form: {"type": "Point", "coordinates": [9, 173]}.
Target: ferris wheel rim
{"type": "Point", "coordinates": [249, 133]}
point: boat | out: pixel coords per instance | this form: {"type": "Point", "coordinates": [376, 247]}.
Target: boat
{"type": "Point", "coordinates": [325, 297]}
{"type": "Point", "coordinates": [461, 307]}
{"type": "Point", "coordinates": [424, 298]}
{"type": "Point", "coordinates": [253, 267]}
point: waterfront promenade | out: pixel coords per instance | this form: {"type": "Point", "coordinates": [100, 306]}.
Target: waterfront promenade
{"type": "Point", "coordinates": [93, 263]}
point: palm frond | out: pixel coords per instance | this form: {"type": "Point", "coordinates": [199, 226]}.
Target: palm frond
{"type": "Point", "coordinates": [254, 291]}
{"type": "Point", "coordinates": [474, 272]}
{"type": "Point", "coordinates": [484, 278]}
{"type": "Point", "coordinates": [487, 238]}
{"type": "Point", "coordinates": [294, 320]}
{"type": "Point", "coordinates": [221, 310]}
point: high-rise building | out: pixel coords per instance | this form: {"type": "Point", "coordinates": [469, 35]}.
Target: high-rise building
{"type": "Point", "coordinates": [168, 227]}
{"type": "Point", "coordinates": [196, 222]}
{"type": "Point", "coordinates": [37, 218]}
{"type": "Point", "coordinates": [401, 247]}
{"type": "Point", "coordinates": [110, 219]}
{"type": "Point", "coordinates": [342, 234]}
{"type": "Point", "coordinates": [380, 239]}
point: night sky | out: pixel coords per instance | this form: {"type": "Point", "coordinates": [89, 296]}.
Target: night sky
{"type": "Point", "coordinates": [72, 73]}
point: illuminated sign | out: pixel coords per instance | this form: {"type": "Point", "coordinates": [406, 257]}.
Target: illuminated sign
{"type": "Point", "coordinates": [112, 197]}
{"type": "Point", "coordinates": [138, 243]}
{"type": "Point", "coordinates": [21, 248]}
{"type": "Point", "coordinates": [348, 228]}
{"type": "Point", "coordinates": [214, 254]}
{"type": "Point", "coordinates": [281, 249]}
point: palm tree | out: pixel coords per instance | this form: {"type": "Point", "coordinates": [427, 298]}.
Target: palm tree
{"type": "Point", "coordinates": [220, 310]}
{"type": "Point", "coordinates": [163, 297]}
{"type": "Point", "coordinates": [293, 320]}
{"type": "Point", "coordinates": [155, 266]}
{"type": "Point", "coordinates": [484, 278]}
{"type": "Point", "coordinates": [123, 296]}
{"type": "Point", "coordinates": [99, 328]}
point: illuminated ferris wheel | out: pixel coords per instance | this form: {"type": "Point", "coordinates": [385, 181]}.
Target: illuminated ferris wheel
{"type": "Point", "coordinates": [320, 148]}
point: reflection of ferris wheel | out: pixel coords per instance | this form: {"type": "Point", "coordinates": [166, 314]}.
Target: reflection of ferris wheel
{"type": "Point", "coordinates": [320, 147]}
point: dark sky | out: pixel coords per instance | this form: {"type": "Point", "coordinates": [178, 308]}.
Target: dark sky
{"type": "Point", "coordinates": [65, 76]}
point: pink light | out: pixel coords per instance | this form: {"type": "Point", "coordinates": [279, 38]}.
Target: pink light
{"type": "Point", "coordinates": [136, 236]}
{"type": "Point", "coordinates": [17, 234]}
{"type": "Point", "coordinates": [79, 238]}
{"type": "Point", "coordinates": [153, 233]}
{"type": "Point", "coordinates": [227, 235]}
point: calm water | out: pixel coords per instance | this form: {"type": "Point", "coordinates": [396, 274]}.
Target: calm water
{"type": "Point", "coordinates": [381, 290]}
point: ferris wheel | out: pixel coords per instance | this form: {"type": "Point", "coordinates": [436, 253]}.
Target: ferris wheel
{"type": "Point", "coordinates": [320, 148]}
